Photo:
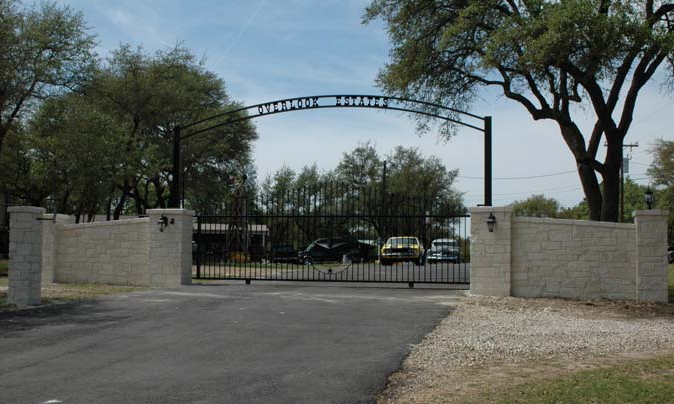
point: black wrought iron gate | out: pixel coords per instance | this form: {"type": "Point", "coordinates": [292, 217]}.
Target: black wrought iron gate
{"type": "Point", "coordinates": [334, 233]}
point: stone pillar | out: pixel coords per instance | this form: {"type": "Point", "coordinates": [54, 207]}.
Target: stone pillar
{"type": "Point", "coordinates": [651, 238]}
{"type": "Point", "coordinates": [490, 253]}
{"type": "Point", "coordinates": [25, 255]}
{"type": "Point", "coordinates": [171, 250]}
{"type": "Point", "coordinates": [50, 226]}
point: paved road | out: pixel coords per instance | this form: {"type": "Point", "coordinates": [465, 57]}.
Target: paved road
{"type": "Point", "coordinates": [261, 343]}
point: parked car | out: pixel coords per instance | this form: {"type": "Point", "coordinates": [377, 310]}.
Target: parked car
{"type": "Point", "coordinates": [670, 255]}
{"type": "Point", "coordinates": [443, 250]}
{"type": "Point", "coordinates": [402, 249]}
{"type": "Point", "coordinates": [283, 253]}
{"type": "Point", "coordinates": [335, 249]}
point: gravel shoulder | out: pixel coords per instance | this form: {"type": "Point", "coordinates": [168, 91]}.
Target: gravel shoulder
{"type": "Point", "coordinates": [489, 343]}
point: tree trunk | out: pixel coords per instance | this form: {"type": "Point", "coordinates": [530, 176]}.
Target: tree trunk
{"type": "Point", "coordinates": [122, 201]}
{"type": "Point", "coordinates": [611, 178]}
{"type": "Point", "coordinates": [592, 191]}
{"type": "Point", "coordinates": [139, 201]}
{"type": "Point", "coordinates": [586, 171]}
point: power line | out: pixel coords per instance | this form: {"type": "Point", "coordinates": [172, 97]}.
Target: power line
{"type": "Point", "coordinates": [518, 178]}
{"type": "Point", "coordinates": [530, 192]}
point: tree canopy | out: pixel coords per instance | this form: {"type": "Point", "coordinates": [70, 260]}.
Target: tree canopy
{"type": "Point", "coordinates": [108, 147]}
{"type": "Point", "coordinates": [46, 50]}
{"type": "Point", "coordinates": [537, 206]}
{"type": "Point", "coordinates": [548, 56]}
{"type": "Point", "coordinates": [416, 185]}
{"type": "Point", "coordinates": [661, 173]}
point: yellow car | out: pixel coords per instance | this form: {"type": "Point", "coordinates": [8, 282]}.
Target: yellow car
{"type": "Point", "coordinates": [402, 249]}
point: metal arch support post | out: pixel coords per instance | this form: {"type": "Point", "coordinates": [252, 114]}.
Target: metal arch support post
{"type": "Point", "coordinates": [176, 185]}
{"type": "Point", "coordinates": [487, 162]}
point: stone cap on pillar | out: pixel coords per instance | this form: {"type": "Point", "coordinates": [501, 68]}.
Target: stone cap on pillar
{"type": "Point", "coordinates": [652, 212]}
{"type": "Point", "coordinates": [174, 212]}
{"type": "Point", "coordinates": [26, 209]}
{"type": "Point", "coordinates": [491, 209]}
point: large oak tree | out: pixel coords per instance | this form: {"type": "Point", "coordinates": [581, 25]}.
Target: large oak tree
{"type": "Point", "coordinates": [44, 50]}
{"type": "Point", "coordinates": [548, 56]}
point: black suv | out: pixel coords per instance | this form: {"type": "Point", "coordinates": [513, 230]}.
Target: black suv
{"type": "Point", "coordinates": [335, 249]}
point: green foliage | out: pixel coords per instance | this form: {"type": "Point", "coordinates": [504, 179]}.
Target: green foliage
{"type": "Point", "coordinates": [578, 212]}
{"type": "Point", "coordinates": [415, 184]}
{"type": "Point", "coordinates": [537, 206]}
{"type": "Point", "coordinates": [74, 147]}
{"type": "Point", "coordinates": [634, 199]}
{"type": "Point", "coordinates": [4, 267]}
{"type": "Point", "coordinates": [548, 56]}
{"type": "Point", "coordinates": [46, 51]}
{"type": "Point", "coordinates": [171, 88]}
{"type": "Point", "coordinates": [661, 172]}
{"type": "Point", "coordinates": [649, 381]}
{"type": "Point", "coordinates": [109, 149]}
{"type": "Point", "coordinates": [540, 206]}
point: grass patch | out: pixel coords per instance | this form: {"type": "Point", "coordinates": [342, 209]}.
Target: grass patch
{"type": "Point", "coordinates": [650, 381]}
{"type": "Point", "coordinates": [65, 293]}
{"type": "Point", "coordinates": [4, 267]}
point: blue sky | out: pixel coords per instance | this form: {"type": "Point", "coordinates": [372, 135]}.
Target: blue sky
{"type": "Point", "coordinates": [267, 50]}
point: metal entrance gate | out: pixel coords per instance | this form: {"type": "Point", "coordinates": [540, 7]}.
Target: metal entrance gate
{"type": "Point", "coordinates": [336, 234]}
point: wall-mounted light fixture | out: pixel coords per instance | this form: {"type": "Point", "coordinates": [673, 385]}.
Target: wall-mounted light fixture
{"type": "Point", "coordinates": [648, 196]}
{"type": "Point", "coordinates": [163, 222]}
{"type": "Point", "coordinates": [491, 221]}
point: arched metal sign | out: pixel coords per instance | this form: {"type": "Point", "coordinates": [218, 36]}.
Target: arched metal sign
{"type": "Point", "coordinates": [315, 102]}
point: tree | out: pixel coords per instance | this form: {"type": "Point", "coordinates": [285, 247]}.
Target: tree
{"type": "Point", "coordinates": [351, 200]}
{"type": "Point", "coordinates": [661, 172]}
{"type": "Point", "coordinates": [537, 206]}
{"type": "Point", "coordinates": [578, 212]}
{"type": "Point", "coordinates": [46, 50]}
{"type": "Point", "coordinates": [415, 185]}
{"type": "Point", "coordinates": [149, 95]}
{"type": "Point", "coordinates": [548, 56]}
{"type": "Point", "coordinates": [633, 199]}
{"type": "Point", "coordinates": [108, 148]}
{"type": "Point", "coordinates": [74, 148]}
{"type": "Point", "coordinates": [360, 167]}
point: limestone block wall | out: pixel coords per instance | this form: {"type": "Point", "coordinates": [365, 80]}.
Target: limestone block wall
{"type": "Point", "coordinates": [490, 252]}
{"type": "Point", "coordinates": [170, 254]}
{"type": "Point", "coordinates": [25, 251]}
{"type": "Point", "coordinates": [651, 228]}
{"type": "Point", "coordinates": [49, 223]}
{"type": "Point", "coordinates": [537, 257]}
{"type": "Point", "coordinates": [573, 259]}
{"type": "Point", "coordinates": [112, 252]}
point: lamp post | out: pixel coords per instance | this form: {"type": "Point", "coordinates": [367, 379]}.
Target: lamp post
{"type": "Point", "coordinates": [163, 222]}
{"type": "Point", "coordinates": [491, 221]}
{"type": "Point", "coordinates": [648, 196]}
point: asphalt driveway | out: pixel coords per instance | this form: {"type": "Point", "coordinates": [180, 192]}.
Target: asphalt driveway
{"type": "Point", "coordinates": [261, 343]}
